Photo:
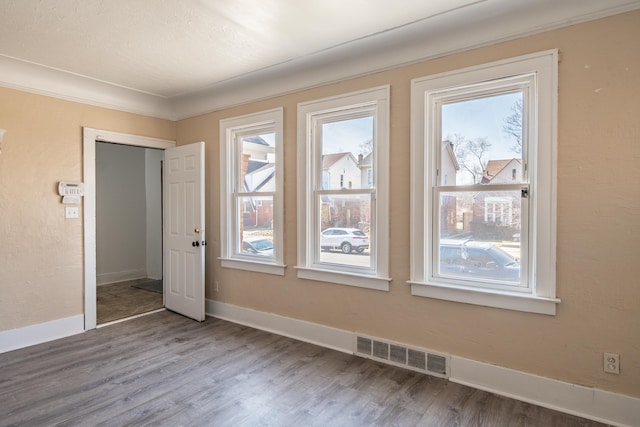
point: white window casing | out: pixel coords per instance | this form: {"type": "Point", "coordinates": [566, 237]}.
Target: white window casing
{"type": "Point", "coordinates": [236, 200]}
{"type": "Point", "coordinates": [316, 186]}
{"type": "Point", "coordinates": [534, 75]}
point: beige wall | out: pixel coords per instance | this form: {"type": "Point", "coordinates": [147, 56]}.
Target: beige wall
{"type": "Point", "coordinates": [598, 214]}
{"type": "Point", "coordinates": [41, 259]}
{"type": "Point", "coordinates": [41, 252]}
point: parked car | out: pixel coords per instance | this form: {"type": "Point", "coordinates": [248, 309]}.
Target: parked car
{"type": "Point", "coordinates": [257, 246]}
{"type": "Point", "coordinates": [344, 239]}
{"type": "Point", "coordinates": [477, 260]}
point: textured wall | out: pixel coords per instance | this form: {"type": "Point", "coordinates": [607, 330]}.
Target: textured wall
{"type": "Point", "coordinates": [41, 252]}
{"type": "Point", "coordinates": [598, 217]}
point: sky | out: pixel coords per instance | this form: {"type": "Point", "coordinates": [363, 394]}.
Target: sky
{"type": "Point", "coordinates": [480, 118]}
{"type": "Point", "coordinates": [472, 119]}
{"type": "Point", "coordinates": [346, 135]}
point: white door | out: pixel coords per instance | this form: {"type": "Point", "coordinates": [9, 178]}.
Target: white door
{"type": "Point", "coordinates": [183, 230]}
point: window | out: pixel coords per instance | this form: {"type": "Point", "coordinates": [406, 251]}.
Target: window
{"type": "Point", "coordinates": [484, 186]}
{"type": "Point", "coordinates": [499, 209]}
{"type": "Point", "coordinates": [251, 196]}
{"type": "Point", "coordinates": [343, 193]}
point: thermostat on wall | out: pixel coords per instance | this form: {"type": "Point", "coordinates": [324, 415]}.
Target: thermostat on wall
{"type": "Point", "coordinates": [71, 192]}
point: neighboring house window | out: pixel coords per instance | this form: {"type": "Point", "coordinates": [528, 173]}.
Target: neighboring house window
{"type": "Point", "coordinates": [487, 237]}
{"type": "Point", "coordinates": [499, 209]}
{"type": "Point", "coordinates": [252, 192]}
{"type": "Point", "coordinates": [343, 231]}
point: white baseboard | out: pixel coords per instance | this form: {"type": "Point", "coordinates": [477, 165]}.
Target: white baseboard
{"type": "Point", "coordinates": [586, 402]}
{"type": "Point", "coordinates": [14, 339]}
{"type": "Point", "coordinates": [120, 276]}
{"type": "Point", "coordinates": [592, 403]}
{"type": "Point", "coordinates": [314, 333]}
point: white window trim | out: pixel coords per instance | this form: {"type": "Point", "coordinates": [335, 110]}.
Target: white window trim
{"type": "Point", "coordinates": [542, 275]}
{"type": "Point", "coordinates": [378, 278]}
{"type": "Point", "coordinates": [228, 128]}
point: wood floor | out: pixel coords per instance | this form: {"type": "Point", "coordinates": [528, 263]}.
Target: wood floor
{"type": "Point", "coordinates": [120, 300]}
{"type": "Point", "coordinates": [163, 369]}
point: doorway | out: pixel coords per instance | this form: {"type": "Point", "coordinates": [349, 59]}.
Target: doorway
{"type": "Point", "coordinates": [91, 139]}
{"type": "Point", "coordinates": [128, 231]}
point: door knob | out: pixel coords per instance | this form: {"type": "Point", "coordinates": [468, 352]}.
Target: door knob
{"type": "Point", "coordinates": [195, 244]}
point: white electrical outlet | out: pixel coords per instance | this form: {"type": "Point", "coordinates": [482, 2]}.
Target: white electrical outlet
{"type": "Point", "coordinates": [612, 363]}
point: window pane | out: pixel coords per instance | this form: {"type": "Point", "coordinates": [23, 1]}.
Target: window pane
{"type": "Point", "coordinates": [257, 163]}
{"type": "Point", "coordinates": [256, 226]}
{"type": "Point", "coordinates": [480, 236]}
{"type": "Point", "coordinates": [345, 233]}
{"type": "Point", "coordinates": [482, 141]}
{"type": "Point", "coordinates": [347, 147]}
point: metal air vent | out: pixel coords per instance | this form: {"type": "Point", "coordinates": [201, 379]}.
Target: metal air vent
{"type": "Point", "coordinates": [396, 354]}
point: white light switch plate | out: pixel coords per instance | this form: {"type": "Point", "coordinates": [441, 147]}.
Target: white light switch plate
{"type": "Point", "coordinates": [72, 212]}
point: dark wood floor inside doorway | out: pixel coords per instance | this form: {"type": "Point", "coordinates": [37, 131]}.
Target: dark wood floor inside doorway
{"type": "Point", "coordinates": [121, 300]}
{"type": "Point", "coordinates": [164, 369]}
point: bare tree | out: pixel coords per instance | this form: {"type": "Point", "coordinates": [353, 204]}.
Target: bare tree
{"type": "Point", "coordinates": [513, 125]}
{"type": "Point", "coordinates": [470, 155]}
{"type": "Point", "coordinates": [366, 147]}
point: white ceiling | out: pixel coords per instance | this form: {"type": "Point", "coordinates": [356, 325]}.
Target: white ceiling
{"type": "Point", "coordinates": [176, 58]}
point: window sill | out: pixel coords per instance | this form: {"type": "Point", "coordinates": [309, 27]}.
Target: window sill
{"type": "Point", "coordinates": [259, 267]}
{"type": "Point", "coordinates": [343, 278]}
{"type": "Point", "coordinates": [486, 297]}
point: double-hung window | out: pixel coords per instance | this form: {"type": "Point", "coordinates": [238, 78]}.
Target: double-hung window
{"type": "Point", "coordinates": [251, 192]}
{"type": "Point", "coordinates": [343, 189]}
{"type": "Point", "coordinates": [484, 184]}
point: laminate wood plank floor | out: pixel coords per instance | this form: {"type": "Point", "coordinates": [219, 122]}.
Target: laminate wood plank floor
{"type": "Point", "coordinates": [166, 370]}
{"type": "Point", "coordinates": [121, 300]}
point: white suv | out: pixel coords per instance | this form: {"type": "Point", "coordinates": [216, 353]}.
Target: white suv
{"type": "Point", "coordinates": [344, 239]}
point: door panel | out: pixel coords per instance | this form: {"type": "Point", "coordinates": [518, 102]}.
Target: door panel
{"type": "Point", "coordinates": [184, 230]}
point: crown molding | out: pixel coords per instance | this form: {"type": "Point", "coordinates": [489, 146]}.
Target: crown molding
{"type": "Point", "coordinates": [475, 28]}
{"type": "Point", "coordinates": [409, 45]}
{"type": "Point", "coordinates": [28, 77]}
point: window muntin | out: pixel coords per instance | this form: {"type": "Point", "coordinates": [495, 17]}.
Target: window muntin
{"type": "Point", "coordinates": [508, 197]}
{"type": "Point", "coordinates": [252, 185]}
{"type": "Point", "coordinates": [344, 145]}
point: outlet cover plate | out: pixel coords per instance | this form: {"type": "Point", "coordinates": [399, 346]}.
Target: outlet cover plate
{"type": "Point", "coordinates": [612, 363]}
{"type": "Point", "coordinates": [71, 212]}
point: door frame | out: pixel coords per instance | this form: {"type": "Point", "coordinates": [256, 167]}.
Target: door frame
{"type": "Point", "coordinates": [90, 137]}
